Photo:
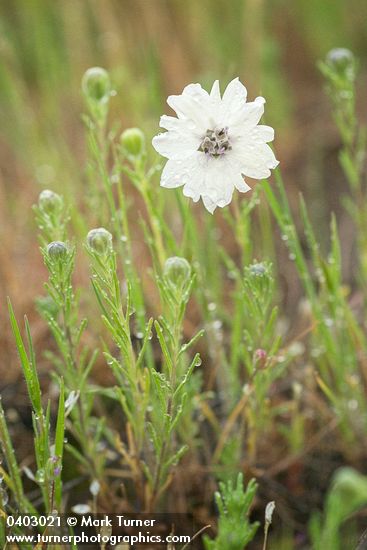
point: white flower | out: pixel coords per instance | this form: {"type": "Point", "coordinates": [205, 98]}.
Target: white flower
{"type": "Point", "coordinates": [214, 143]}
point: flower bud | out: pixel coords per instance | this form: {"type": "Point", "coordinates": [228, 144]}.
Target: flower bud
{"type": "Point", "coordinates": [260, 358]}
{"type": "Point", "coordinates": [100, 240]}
{"type": "Point", "coordinates": [50, 202]}
{"type": "Point", "coordinates": [133, 141]}
{"type": "Point", "coordinates": [258, 269]}
{"type": "Point", "coordinates": [96, 85]}
{"type": "Point", "coordinates": [55, 465]}
{"type": "Point", "coordinates": [57, 250]}
{"type": "Point", "coordinates": [342, 61]}
{"type": "Point", "coordinates": [177, 271]}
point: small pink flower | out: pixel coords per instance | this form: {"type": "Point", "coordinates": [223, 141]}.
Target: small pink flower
{"type": "Point", "coordinates": [260, 358]}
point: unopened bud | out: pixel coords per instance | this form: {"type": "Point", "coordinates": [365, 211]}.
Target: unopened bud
{"type": "Point", "coordinates": [96, 85]}
{"type": "Point", "coordinates": [177, 271]}
{"type": "Point", "coordinates": [257, 269]}
{"type": "Point", "coordinates": [133, 141]}
{"type": "Point", "coordinates": [342, 61]}
{"type": "Point", "coordinates": [100, 240]}
{"type": "Point", "coordinates": [260, 358]}
{"type": "Point", "coordinates": [50, 202]}
{"type": "Point", "coordinates": [57, 250]}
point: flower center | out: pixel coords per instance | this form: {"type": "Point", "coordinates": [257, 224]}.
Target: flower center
{"type": "Point", "coordinates": [215, 142]}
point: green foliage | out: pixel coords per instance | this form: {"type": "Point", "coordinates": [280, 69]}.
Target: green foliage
{"type": "Point", "coordinates": [48, 455]}
{"type": "Point", "coordinates": [336, 336]}
{"type": "Point", "coordinates": [153, 401]}
{"type": "Point", "coordinates": [13, 475]}
{"type": "Point", "coordinates": [235, 530]}
{"type": "Point", "coordinates": [347, 494]}
{"type": "Point", "coordinates": [60, 310]}
{"type": "Point", "coordinates": [340, 72]}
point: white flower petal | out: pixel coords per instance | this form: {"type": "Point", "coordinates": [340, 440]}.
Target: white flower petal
{"type": "Point", "coordinates": [215, 91]}
{"type": "Point", "coordinates": [209, 204]}
{"type": "Point", "coordinates": [182, 126]}
{"type": "Point", "coordinates": [265, 153]}
{"type": "Point", "coordinates": [233, 169]}
{"type": "Point", "coordinates": [225, 202]}
{"type": "Point", "coordinates": [171, 123]}
{"type": "Point", "coordinates": [172, 175]}
{"type": "Point", "coordinates": [173, 145]}
{"type": "Point", "coordinates": [246, 117]}
{"type": "Point", "coordinates": [196, 91]}
{"type": "Point", "coordinates": [262, 133]}
{"type": "Point", "coordinates": [192, 193]}
{"type": "Point", "coordinates": [255, 161]}
{"type": "Point", "coordinates": [194, 169]}
{"type": "Point", "coordinates": [193, 105]}
{"type": "Point", "coordinates": [240, 184]}
{"type": "Point", "coordinates": [219, 186]}
{"type": "Point", "coordinates": [235, 94]}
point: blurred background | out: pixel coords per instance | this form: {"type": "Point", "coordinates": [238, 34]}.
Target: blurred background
{"type": "Point", "coordinates": [153, 48]}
